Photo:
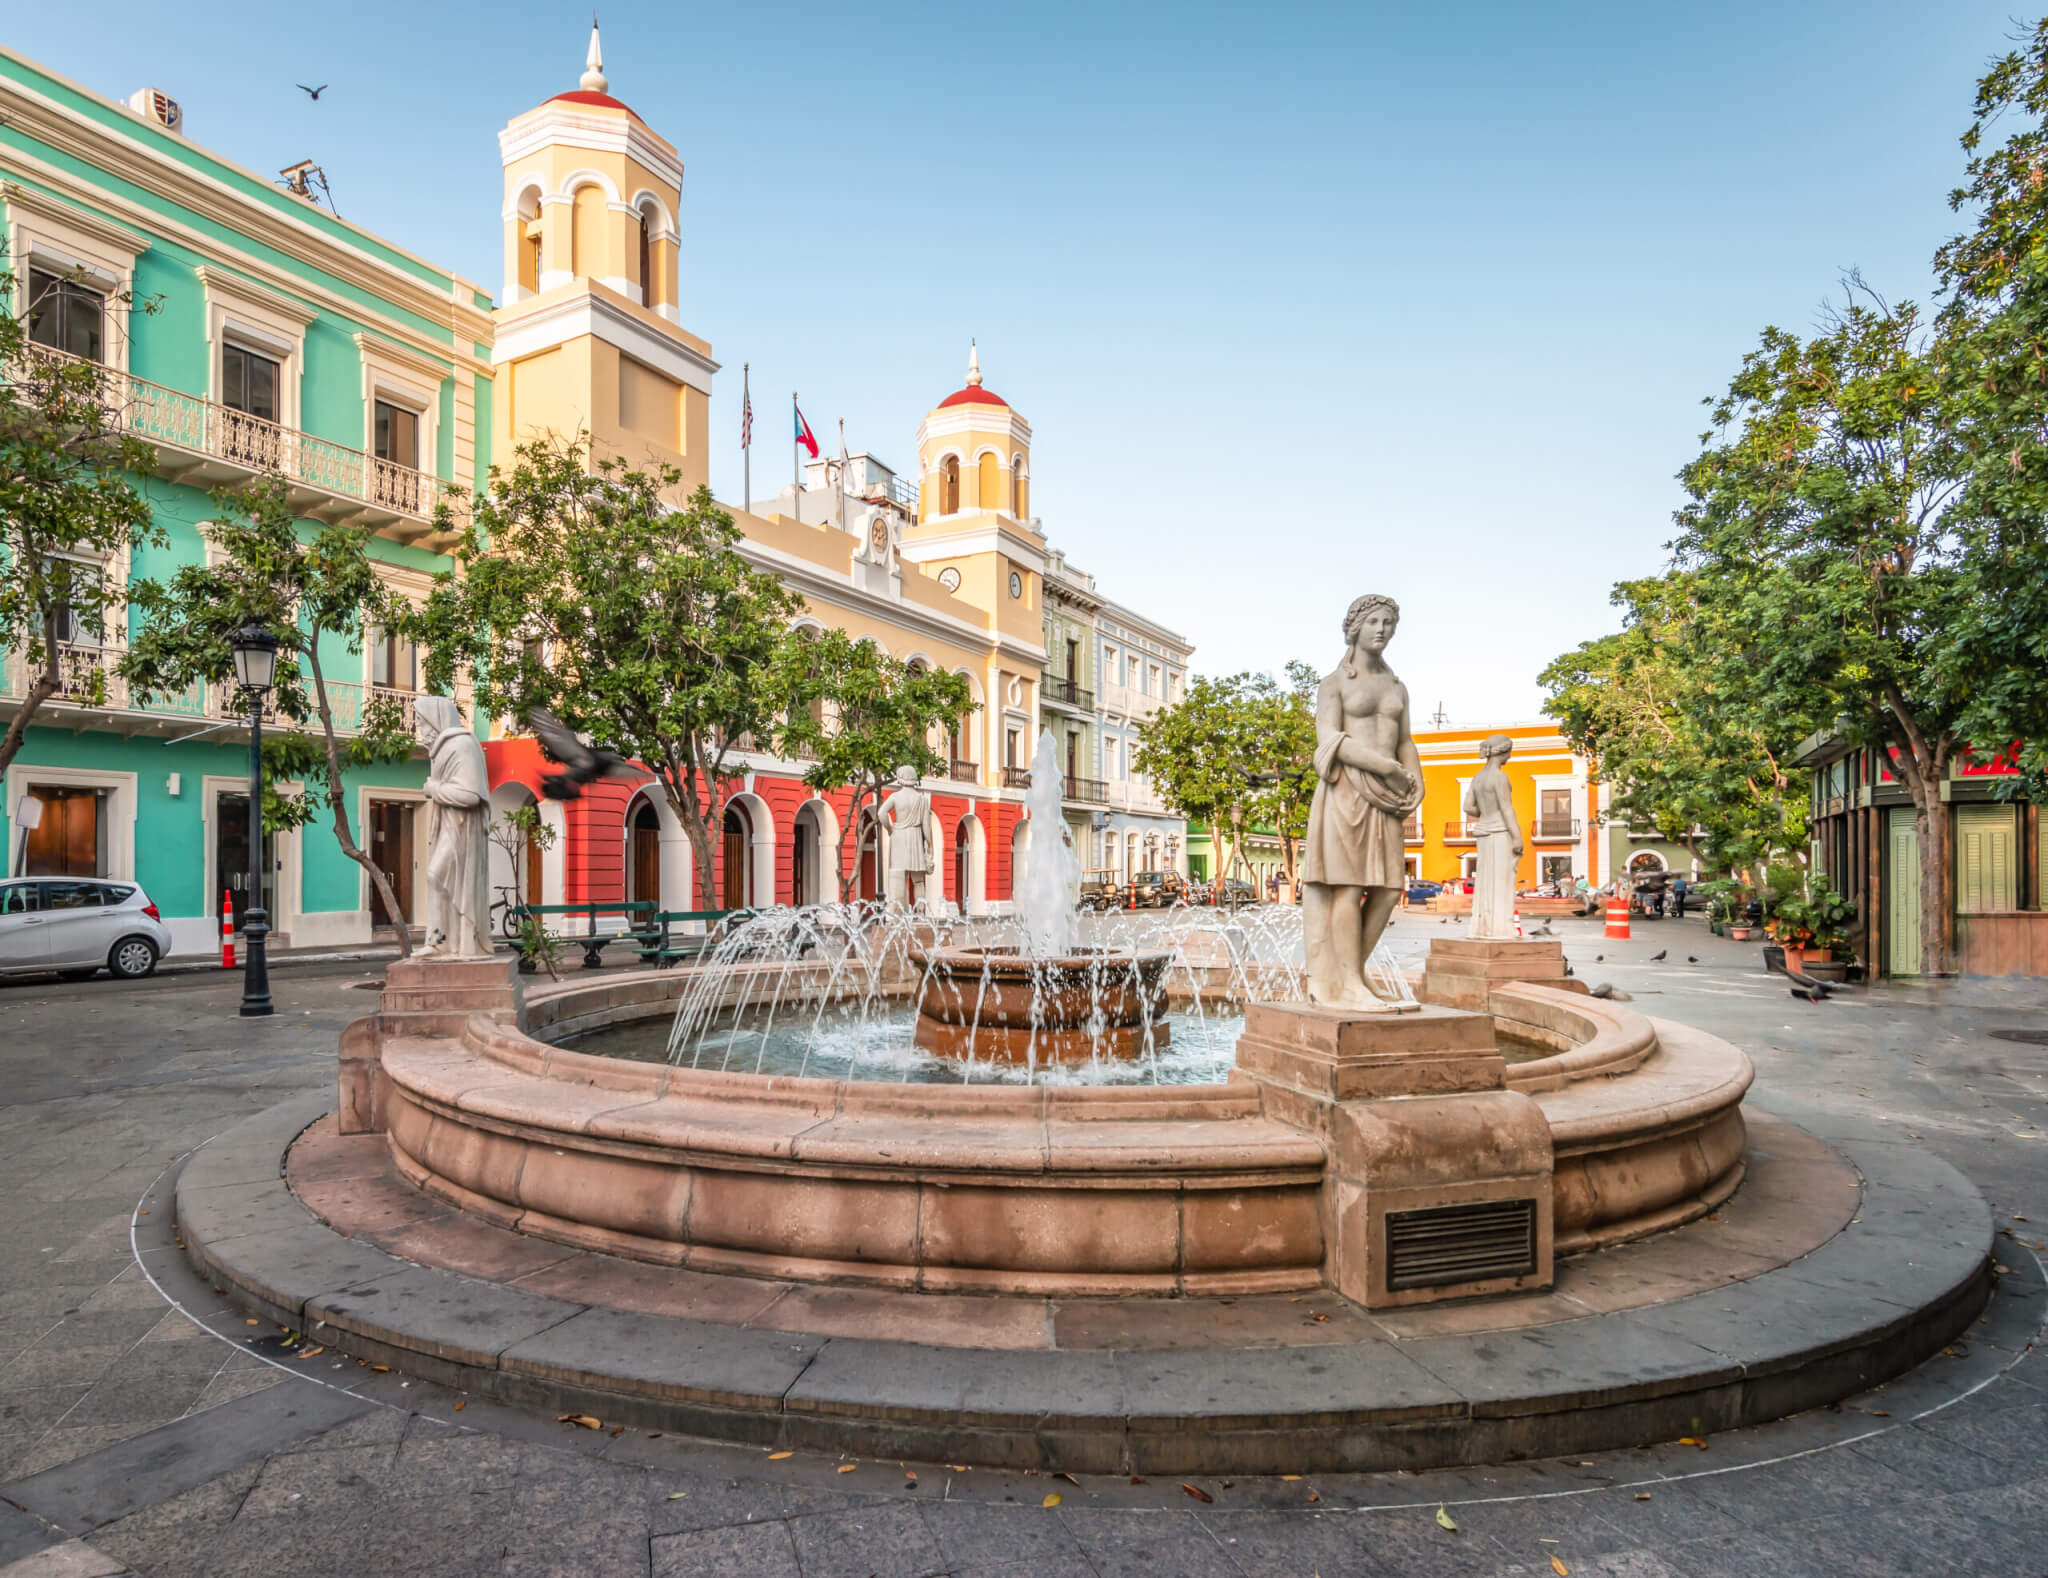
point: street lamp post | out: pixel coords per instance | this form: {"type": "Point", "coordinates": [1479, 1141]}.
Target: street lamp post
{"type": "Point", "coordinates": [255, 669]}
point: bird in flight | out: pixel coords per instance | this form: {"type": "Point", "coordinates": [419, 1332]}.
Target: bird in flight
{"type": "Point", "coordinates": [584, 764]}
{"type": "Point", "coordinates": [312, 93]}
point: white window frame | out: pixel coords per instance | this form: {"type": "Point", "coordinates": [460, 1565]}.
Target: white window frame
{"type": "Point", "coordinates": [290, 879]}
{"type": "Point", "coordinates": [55, 235]}
{"type": "Point", "coordinates": [402, 377]}
{"type": "Point", "coordinates": [121, 803]}
{"type": "Point", "coordinates": [241, 313]}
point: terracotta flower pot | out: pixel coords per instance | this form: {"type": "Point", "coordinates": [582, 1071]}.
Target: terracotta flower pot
{"type": "Point", "coordinates": [1739, 933]}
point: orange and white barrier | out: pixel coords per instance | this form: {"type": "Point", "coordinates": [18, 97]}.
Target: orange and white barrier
{"type": "Point", "coordinates": [227, 930]}
{"type": "Point", "coordinates": [1617, 919]}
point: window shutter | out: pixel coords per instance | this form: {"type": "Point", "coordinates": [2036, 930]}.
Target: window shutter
{"type": "Point", "coordinates": [1985, 863]}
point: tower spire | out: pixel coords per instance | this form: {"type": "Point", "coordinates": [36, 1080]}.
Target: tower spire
{"type": "Point", "coordinates": [973, 365]}
{"type": "Point", "coordinates": [593, 78]}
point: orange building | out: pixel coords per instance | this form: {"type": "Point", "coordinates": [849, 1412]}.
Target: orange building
{"type": "Point", "coordinates": [1556, 802]}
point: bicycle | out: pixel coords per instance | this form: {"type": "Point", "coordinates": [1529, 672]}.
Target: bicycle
{"type": "Point", "coordinates": [510, 903]}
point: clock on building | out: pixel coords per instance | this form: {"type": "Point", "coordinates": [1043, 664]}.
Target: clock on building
{"type": "Point", "coordinates": [1016, 584]}
{"type": "Point", "coordinates": [949, 578]}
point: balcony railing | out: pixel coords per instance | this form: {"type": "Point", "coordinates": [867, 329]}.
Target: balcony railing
{"type": "Point", "coordinates": [1559, 827]}
{"type": "Point", "coordinates": [1411, 830]}
{"type": "Point", "coordinates": [88, 678]}
{"type": "Point", "coordinates": [963, 772]}
{"type": "Point", "coordinates": [1016, 778]}
{"type": "Point", "coordinates": [1093, 790]}
{"type": "Point", "coordinates": [1066, 693]}
{"type": "Point", "coordinates": [1454, 833]}
{"type": "Point", "coordinates": [204, 442]}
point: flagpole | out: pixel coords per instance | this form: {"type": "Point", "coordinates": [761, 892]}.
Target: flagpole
{"type": "Point", "coordinates": [746, 438]}
{"type": "Point", "coordinates": [796, 462]}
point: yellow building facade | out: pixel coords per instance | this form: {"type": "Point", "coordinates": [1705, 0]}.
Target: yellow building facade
{"type": "Point", "coordinates": [1555, 800]}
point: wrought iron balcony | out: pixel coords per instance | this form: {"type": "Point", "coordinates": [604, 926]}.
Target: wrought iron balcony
{"type": "Point", "coordinates": [1557, 827]}
{"type": "Point", "coordinates": [1411, 830]}
{"type": "Point", "coordinates": [963, 772]}
{"type": "Point", "coordinates": [1455, 833]}
{"type": "Point", "coordinates": [1065, 693]}
{"type": "Point", "coordinates": [208, 444]}
{"type": "Point", "coordinates": [1092, 791]}
{"type": "Point", "coordinates": [1016, 778]}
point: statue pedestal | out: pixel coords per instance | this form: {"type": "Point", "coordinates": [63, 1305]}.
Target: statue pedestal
{"type": "Point", "coordinates": [1462, 972]}
{"type": "Point", "coordinates": [1437, 1178]}
{"type": "Point", "coordinates": [423, 996]}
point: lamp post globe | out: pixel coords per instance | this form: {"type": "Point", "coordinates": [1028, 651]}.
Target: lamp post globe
{"type": "Point", "coordinates": [255, 650]}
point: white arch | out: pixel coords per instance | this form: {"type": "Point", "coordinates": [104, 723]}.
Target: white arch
{"type": "Point", "coordinates": [1648, 854]}
{"type": "Point", "coordinates": [505, 873]}
{"type": "Point", "coordinates": [940, 458]}
{"type": "Point", "coordinates": [974, 900]}
{"type": "Point", "coordinates": [988, 449]}
{"type": "Point", "coordinates": [678, 865]}
{"type": "Point", "coordinates": [917, 655]}
{"type": "Point", "coordinates": [1018, 465]}
{"type": "Point", "coordinates": [761, 845]}
{"type": "Point", "coordinates": [821, 880]}
{"type": "Point", "coordinates": [1020, 854]}
{"type": "Point", "coordinates": [665, 225]}
{"type": "Point", "coordinates": [518, 209]}
{"type": "Point", "coordinates": [577, 179]}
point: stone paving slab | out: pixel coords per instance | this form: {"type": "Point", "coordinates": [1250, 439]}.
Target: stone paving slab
{"type": "Point", "coordinates": [1895, 1283]}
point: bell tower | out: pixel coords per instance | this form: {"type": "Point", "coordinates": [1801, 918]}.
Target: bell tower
{"type": "Point", "coordinates": [589, 335]}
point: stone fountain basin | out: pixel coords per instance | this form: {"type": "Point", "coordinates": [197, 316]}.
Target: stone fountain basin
{"type": "Point", "coordinates": [1186, 1189]}
{"type": "Point", "coordinates": [1002, 987]}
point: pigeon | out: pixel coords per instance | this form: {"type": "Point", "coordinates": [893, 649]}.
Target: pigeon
{"type": "Point", "coordinates": [312, 93]}
{"type": "Point", "coordinates": [1599, 958]}
{"type": "Point", "coordinates": [1602, 990]}
{"type": "Point", "coordinates": [1658, 956]}
{"type": "Point", "coordinates": [1805, 996]}
{"type": "Point", "coordinates": [583, 763]}
{"type": "Point", "coordinates": [1692, 958]}
{"type": "Point", "coordinates": [1807, 987]}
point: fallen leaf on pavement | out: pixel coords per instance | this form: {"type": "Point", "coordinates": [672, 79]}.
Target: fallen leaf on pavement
{"type": "Point", "coordinates": [1052, 1499]}
{"type": "Point", "coordinates": [1290, 1476]}
{"type": "Point", "coordinates": [1137, 1479]}
{"type": "Point", "coordinates": [958, 1468]}
{"type": "Point", "coordinates": [677, 1495]}
{"type": "Point", "coordinates": [1069, 1478]}
{"type": "Point", "coordinates": [308, 1353]}
{"type": "Point", "coordinates": [1312, 1496]}
{"type": "Point", "coordinates": [618, 1430]}
{"type": "Point", "coordinates": [1880, 1413]}
{"type": "Point", "coordinates": [461, 1403]}
{"type": "Point", "coordinates": [1559, 1568]}
{"type": "Point", "coordinates": [1446, 1520]}
{"type": "Point", "coordinates": [777, 1457]}
{"type": "Point", "coordinates": [1693, 1441]}
{"type": "Point", "coordinates": [846, 1468]}
{"type": "Point", "coordinates": [1642, 1495]}
{"type": "Point", "coordinates": [1196, 1491]}
{"type": "Point", "coordinates": [381, 1369]}
{"type": "Point", "coordinates": [248, 1323]}
{"type": "Point", "coordinates": [584, 1421]}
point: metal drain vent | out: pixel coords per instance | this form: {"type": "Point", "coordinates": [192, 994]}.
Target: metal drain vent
{"type": "Point", "coordinates": [1461, 1243]}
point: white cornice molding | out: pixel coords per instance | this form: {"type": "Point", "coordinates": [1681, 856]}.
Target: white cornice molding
{"type": "Point", "coordinates": [1150, 627]}
{"type": "Point", "coordinates": [946, 421]}
{"type": "Point", "coordinates": [219, 281]}
{"type": "Point", "coordinates": [375, 345]}
{"type": "Point", "coordinates": [470, 324]}
{"type": "Point", "coordinates": [587, 313]}
{"type": "Point", "coordinates": [107, 234]}
{"type": "Point", "coordinates": [557, 124]}
{"type": "Point", "coordinates": [35, 115]}
{"type": "Point", "coordinates": [995, 538]}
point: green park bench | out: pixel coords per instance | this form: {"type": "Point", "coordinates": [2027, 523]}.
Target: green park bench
{"type": "Point", "coordinates": [640, 917]}
{"type": "Point", "coordinates": [662, 948]}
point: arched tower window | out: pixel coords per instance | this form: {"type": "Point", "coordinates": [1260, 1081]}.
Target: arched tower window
{"type": "Point", "coordinates": [949, 485]}
{"type": "Point", "coordinates": [1017, 487]}
{"type": "Point", "coordinates": [646, 260]}
{"type": "Point", "coordinates": [991, 494]}
{"type": "Point", "coordinates": [526, 242]}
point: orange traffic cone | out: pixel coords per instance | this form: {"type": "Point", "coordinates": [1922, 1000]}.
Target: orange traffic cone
{"type": "Point", "coordinates": [1518, 921]}
{"type": "Point", "coordinates": [1617, 919]}
{"type": "Point", "coordinates": [227, 930]}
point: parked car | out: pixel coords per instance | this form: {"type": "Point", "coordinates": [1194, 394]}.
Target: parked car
{"type": "Point", "coordinates": [78, 926]}
{"type": "Point", "coordinates": [1100, 890]}
{"type": "Point", "coordinates": [1236, 893]}
{"type": "Point", "coordinates": [1420, 892]}
{"type": "Point", "coordinates": [1157, 890]}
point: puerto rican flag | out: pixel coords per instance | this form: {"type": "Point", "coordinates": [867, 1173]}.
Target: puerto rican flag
{"type": "Point", "coordinates": [804, 435]}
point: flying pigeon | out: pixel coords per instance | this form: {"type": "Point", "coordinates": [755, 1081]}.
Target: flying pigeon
{"type": "Point", "coordinates": [583, 764]}
{"type": "Point", "coordinates": [1658, 956]}
{"type": "Point", "coordinates": [312, 93]}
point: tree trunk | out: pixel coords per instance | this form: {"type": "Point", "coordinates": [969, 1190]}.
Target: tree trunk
{"type": "Point", "coordinates": [40, 690]}
{"type": "Point", "coordinates": [402, 924]}
{"type": "Point", "coordinates": [1937, 900]}
{"type": "Point", "coordinates": [849, 875]}
{"type": "Point", "coordinates": [682, 799]}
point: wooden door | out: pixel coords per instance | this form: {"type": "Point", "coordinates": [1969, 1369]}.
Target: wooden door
{"type": "Point", "coordinates": [391, 853]}
{"type": "Point", "coordinates": [801, 840]}
{"type": "Point", "coordinates": [531, 855]}
{"type": "Point", "coordinates": [1902, 891]}
{"type": "Point", "coordinates": [735, 861]}
{"type": "Point", "coordinates": [870, 856]}
{"type": "Point", "coordinates": [963, 841]}
{"type": "Point", "coordinates": [67, 843]}
{"type": "Point", "coordinates": [644, 856]}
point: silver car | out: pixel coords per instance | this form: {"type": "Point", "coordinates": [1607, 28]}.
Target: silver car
{"type": "Point", "coordinates": [79, 926]}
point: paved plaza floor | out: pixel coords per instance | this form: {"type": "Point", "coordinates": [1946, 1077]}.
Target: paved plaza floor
{"type": "Point", "coordinates": [134, 1440]}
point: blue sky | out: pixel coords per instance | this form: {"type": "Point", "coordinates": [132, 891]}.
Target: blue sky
{"type": "Point", "coordinates": [1300, 301]}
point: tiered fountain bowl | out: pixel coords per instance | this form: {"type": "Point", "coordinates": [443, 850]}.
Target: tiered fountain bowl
{"type": "Point", "coordinates": [998, 1003]}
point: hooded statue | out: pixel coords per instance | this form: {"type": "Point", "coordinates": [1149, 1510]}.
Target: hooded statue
{"type": "Point", "coordinates": [458, 816]}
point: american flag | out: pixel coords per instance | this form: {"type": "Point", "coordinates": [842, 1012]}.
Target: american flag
{"type": "Point", "coordinates": [747, 420]}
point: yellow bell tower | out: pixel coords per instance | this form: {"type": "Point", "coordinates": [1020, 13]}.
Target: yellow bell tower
{"type": "Point", "coordinates": [589, 334]}
{"type": "Point", "coordinates": [974, 505]}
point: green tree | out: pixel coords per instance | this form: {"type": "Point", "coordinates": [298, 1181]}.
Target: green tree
{"type": "Point", "coordinates": [1994, 327]}
{"type": "Point", "coordinates": [1821, 558]}
{"type": "Point", "coordinates": [1212, 757]}
{"type": "Point", "coordinates": [1677, 753]}
{"type": "Point", "coordinates": [855, 714]}
{"type": "Point", "coordinates": [313, 587]}
{"type": "Point", "coordinates": [67, 508]}
{"type": "Point", "coordinates": [585, 593]}
{"type": "Point", "coordinates": [1287, 781]}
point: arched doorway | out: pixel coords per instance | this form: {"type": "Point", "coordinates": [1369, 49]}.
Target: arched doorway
{"type": "Point", "coordinates": [1020, 854]}
{"type": "Point", "coordinates": [643, 855]}
{"type": "Point", "coordinates": [736, 858]}
{"type": "Point", "coordinates": [869, 883]}
{"type": "Point", "coordinates": [1646, 862]}
{"type": "Point", "coordinates": [963, 855]}
{"type": "Point", "coordinates": [814, 859]}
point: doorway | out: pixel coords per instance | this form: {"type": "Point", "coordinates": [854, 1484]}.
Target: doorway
{"type": "Point", "coordinates": [643, 856]}
{"type": "Point", "coordinates": [801, 845]}
{"type": "Point", "coordinates": [231, 868]}
{"type": "Point", "coordinates": [738, 831]}
{"type": "Point", "coordinates": [1902, 890]}
{"type": "Point", "coordinates": [870, 855]}
{"type": "Point", "coordinates": [963, 858]}
{"type": "Point", "coordinates": [71, 839]}
{"type": "Point", "coordinates": [391, 853]}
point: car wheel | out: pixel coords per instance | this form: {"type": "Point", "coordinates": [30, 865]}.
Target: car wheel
{"type": "Point", "coordinates": [132, 958]}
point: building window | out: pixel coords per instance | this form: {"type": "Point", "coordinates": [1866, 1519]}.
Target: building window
{"type": "Point", "coordinates": [394, 662]}
{"type": "Point", "coordinates": [529, 259]}
{"type": "Point", "coordinates": [646, 261]}
{"type": "Point", "coordinates": [249, 389]}
{"type": "Point", "coordinates": [949, 485]}
{"type": "Point", "coordinates": [1009, 747]}
{"type": "Point", "coordinates": [398, 435]}
{"type": "Point", "coordinates": [65, 316]}
{"type": "Point", "coordinates": [1017, 486]}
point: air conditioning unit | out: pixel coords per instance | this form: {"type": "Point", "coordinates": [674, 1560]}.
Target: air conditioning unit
{"type": "Point", "coordinates": [153, 104]}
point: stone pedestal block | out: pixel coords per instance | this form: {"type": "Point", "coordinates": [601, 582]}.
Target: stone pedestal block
{"type": "Point", "coordinates": [1462, 972]}
{"type": "Point", "coordinates": [421, 997]}
{"type": "Point", "coordinates": [1437, 1178]}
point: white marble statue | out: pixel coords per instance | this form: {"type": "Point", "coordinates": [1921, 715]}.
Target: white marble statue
{"type": "Point", "coordinates": [1490, 818]}
{"type": "Point", "coordinates": [910, 851]}
{"type": "Point", "coordinates": [1368, 780]}
{"type": "Point", "coordinates": [458, 821]}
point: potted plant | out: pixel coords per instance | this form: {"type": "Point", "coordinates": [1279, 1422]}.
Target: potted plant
{"type": "Point", "coordinates": [1809, 929]}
